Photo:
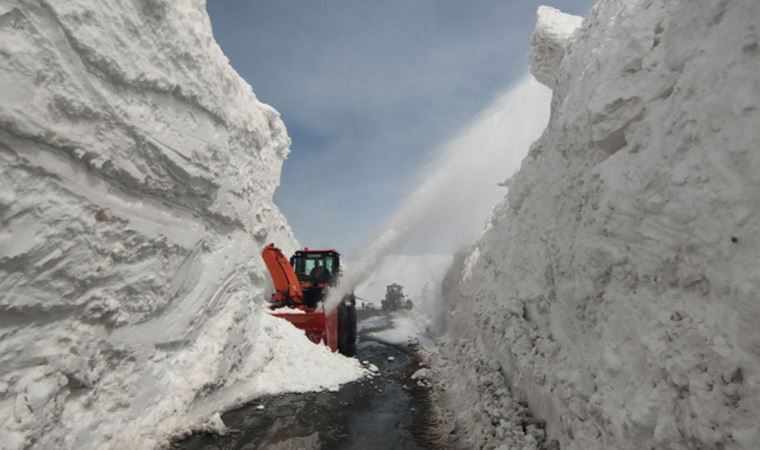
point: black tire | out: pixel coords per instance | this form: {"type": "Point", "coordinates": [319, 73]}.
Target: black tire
{"type": "Point", "coordinates": [351, 330]}
{"type": "Point", "coordinates": [342, 330]}
{"type": "Point", "coordinates": [409, 304]}
{"type": "Point", "coordinates": [347, 329]}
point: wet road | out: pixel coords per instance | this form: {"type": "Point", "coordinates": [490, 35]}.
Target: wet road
{"type": "Point", "coordinates": [389, 411]}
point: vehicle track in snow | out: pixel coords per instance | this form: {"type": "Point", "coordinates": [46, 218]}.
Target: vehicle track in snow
{"type": "Point", "coordinates": [389, 410]}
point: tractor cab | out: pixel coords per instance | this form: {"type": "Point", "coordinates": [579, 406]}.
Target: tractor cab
{"type": "Point", "coordinates": [316, 266]}
{"type": "Point", "coordinates": [395, 290]}
{"type": "Point", "coordinates": [316, 270]}
{"type": "Point", "coordinates": [395, 298]}
{"type": "Point", "coordinates": [299, 286]}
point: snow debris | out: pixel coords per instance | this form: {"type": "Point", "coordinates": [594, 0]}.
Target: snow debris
{"type": "Point", "coordinates": [214, 425]}
{"type": "Point", "coordinates": [422, 374]}
{"type": "Point", "coordinates": [475, 402]}
{"type": "Point", "coordinates": [285, 310]}
{"type": "Point", "coordinates": [616, 286]}
{"type": "Point", "coordinates": [136, 178]}
{"type": "Point", "coordinates": [374, 322]}
{"type": "Point", "coordinates": [408, 326]}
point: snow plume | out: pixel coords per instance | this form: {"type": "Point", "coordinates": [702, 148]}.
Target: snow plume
{"type": "Point", "coordinates": [420, 275]}
{"type": "Point", "coordinates": [617, 288]}
{"type": "Point", "coordinates": [136, 179]}
{"type": "Point", "coordinates": [449, 207]}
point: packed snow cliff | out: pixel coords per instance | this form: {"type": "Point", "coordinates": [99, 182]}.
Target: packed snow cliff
{"type": "Point", "coordinates": [136, 179]}
{"type": "Point", "coordinates": [615, 290]}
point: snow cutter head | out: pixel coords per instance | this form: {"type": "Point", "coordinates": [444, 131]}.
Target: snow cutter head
{"type": "Point", "coordinates": [318, 326]}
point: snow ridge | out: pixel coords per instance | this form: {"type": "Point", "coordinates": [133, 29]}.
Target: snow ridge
{"type": "Point", "coordinates": [616, 286]}
{"type": "Point", "coordinates": [549, 43]}
{"type": "Point", "coordinates": [136, 178]}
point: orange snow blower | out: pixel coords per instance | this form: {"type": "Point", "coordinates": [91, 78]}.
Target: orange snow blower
{"type": "Point", "coordinates": [301, 286]}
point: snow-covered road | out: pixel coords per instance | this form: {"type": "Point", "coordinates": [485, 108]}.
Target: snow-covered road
{"type": "Point", "coordinates": [388, 410]}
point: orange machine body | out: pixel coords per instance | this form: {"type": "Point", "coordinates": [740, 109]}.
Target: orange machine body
{"type": "Point", "coordinates": [287, 287]}
{"type": "Point", "coordinates": [318, 326]}
{"type": "Point", "coordinates": [290, 302]}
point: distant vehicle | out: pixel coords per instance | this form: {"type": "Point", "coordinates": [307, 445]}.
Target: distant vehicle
{"type": "Point", "coordinates": [395, 298]}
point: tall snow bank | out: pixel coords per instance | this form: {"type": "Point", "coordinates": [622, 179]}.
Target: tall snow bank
{"type": "Point", "coordinates": [136, 179]}
{"type": "Point", "coordinates": [616, 288]}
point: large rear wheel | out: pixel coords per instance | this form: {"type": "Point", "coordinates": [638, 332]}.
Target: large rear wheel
{"type": "Point", "coordinates": [347, 329]}
{"type": "Point", "coordinates": [351, 328]}
{"type": "Point", "coordinates": [342, 329]}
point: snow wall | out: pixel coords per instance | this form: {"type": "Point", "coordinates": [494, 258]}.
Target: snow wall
{"type": "Point", "coordinates": [616, 287]}
{"type": "Point", "coordinates": [136, 179]}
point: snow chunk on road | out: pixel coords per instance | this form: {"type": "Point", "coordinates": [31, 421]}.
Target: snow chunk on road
{"type": "Point", "coordinates": [422, 374]}
{"type": "Point", "coordinates": [408, 326]}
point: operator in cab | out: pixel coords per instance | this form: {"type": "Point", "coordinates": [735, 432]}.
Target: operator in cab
{"type": "Point", "coordinates": [320, 273]}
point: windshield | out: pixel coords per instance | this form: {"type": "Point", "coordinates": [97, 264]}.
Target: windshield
{"type": "Point", "coordinates": [305, 264]}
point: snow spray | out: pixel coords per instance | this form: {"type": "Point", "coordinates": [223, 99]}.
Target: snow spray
{"type": "Point", "coordinates": [458, 190]}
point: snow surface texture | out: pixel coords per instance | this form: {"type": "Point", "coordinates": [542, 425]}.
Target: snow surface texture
{"type": "Point", "coordinates": [616, 286]}
{"type": "Point", "coordinates": [136, 179]}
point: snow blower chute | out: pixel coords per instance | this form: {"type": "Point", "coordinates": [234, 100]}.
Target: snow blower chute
{"type": "Point", "coordinates": [300, 288]}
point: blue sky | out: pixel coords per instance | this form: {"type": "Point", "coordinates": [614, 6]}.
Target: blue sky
{"type": "Point", "coordinates": [368, 90]}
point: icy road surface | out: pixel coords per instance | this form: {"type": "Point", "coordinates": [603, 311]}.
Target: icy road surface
{"type": "Point", "coordinates": [389, 410]}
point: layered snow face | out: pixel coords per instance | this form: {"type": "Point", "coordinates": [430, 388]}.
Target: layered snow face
{"type": "Point", "coordinates": [616, 287]}
{"type": "Point", "coordinates": [136, 179]}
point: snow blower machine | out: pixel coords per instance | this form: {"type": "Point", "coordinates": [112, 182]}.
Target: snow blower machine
{"type": "Point", "coordinates": [301, 286]}
{"type": "Point", "coordinates": [395, 298]}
